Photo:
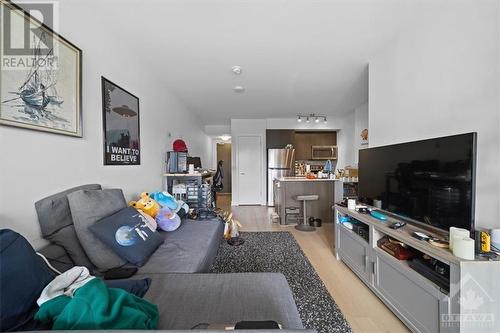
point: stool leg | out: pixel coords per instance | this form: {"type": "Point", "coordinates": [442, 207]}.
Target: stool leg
{"type": "Point", "coordinates": [304, 220]}
{"type": "Point", "coordinates": [305, 225]}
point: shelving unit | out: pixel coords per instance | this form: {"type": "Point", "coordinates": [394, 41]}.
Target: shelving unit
{"type": "Point", "coordinates": [195, 189]}
{"type": "Point", "coordinates": [420, 303]}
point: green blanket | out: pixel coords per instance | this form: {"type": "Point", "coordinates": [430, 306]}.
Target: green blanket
{"type": "Point", "coordinates": [94, 306]}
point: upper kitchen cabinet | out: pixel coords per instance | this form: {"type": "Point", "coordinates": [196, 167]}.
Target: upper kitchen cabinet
{"type": "Point", "coordinates": [304, 142]}
{"type": "Point", "coordinates": [277, 139]}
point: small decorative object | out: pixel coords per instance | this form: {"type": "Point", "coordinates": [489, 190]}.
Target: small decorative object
{"type": "Point", "coordinates": [463, 247]}
{"type": "Point", "coordinates": [40, 83]}
{"type": "Point", "coordinates": [328, 167]}
{"type": "Point", "coordinates": [364, 137]}
{"type": "Point", "coordinates": [231, 229]}
{"type": "Point", "coordinates": [439, 243]}
{"type": "Point", "coordinates": [179, 146]}
{"type": "Point", "coordinates": [351, 204]}
{"type": "Point", "coordinates": [459, 232]}
{"type": "Point", "coordinates": [120, 114]}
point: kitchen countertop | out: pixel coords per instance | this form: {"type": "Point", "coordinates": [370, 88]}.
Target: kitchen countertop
{"type": "Point", "coordinates": [304, 179]}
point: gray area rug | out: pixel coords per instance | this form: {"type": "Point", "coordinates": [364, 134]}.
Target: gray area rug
{"type": "Point", "coordinates": [279, 252]}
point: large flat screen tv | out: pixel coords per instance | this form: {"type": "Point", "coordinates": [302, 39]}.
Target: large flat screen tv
{"type": "Point", "coordinates": [430, 181]}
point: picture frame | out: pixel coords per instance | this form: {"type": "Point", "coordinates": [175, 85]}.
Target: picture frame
{"type": "Point", "coordinates": [121, 125]}
{"type": "Point", "coordinates": [46, 96]}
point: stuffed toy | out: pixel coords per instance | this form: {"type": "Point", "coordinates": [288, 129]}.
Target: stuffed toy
{"type": "Point", "coordinates": [167, 220]}
{"type": "Point", "coordinates": [146, 205]}
{"type": "Point", "coordinates": [165, 199]}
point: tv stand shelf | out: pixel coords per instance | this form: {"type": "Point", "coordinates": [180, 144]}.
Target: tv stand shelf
{"type": "Point", "coordinates": [419, 302]}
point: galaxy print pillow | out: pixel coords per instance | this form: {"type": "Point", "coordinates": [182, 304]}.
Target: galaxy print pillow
{"type": "Point", "coordinates": [130, 235]}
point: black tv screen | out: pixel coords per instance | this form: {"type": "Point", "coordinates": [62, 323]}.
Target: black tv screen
{"type": "Point", "coordinates": [429, 181]}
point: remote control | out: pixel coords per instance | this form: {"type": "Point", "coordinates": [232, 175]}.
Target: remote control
{"type": "Point", "coordinates": [397, 225]}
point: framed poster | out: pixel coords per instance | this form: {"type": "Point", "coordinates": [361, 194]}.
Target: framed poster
{"type": "Point", "coordinates": [120, 117]}
{"type": "Point", "coordinates": [40, 81]}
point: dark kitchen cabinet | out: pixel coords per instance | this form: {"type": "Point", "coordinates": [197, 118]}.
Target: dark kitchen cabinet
{"type": "Point", "coordinates": [277, 139]}
{"type": "Point", "coordinates": [302, 141]}
{"type": "Point", "coordinates": [305, 140]}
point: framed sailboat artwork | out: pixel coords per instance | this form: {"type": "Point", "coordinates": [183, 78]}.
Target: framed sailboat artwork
{"type": "Point", "coordinates": [40, 81]}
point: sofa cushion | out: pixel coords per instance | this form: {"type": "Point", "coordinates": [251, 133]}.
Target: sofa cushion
{"type": "Point", "coordinates": [23, 276]}
{"type": "Point", "coordinates": [189, 249]}
{"type": "Point", "coordinates": [57, 257]}
{"type": "Point", "coordinates": [186, 300]}
{"type": "Point", "coordinates": [128, 234]}
{"type": "Point", "coordinates": [56, 223]}
{"type": "Point", "coordinates": [138, 287]}
{"type": "Point", "coordinates": [88, 207]}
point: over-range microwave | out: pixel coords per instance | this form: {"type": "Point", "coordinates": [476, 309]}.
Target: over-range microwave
{"type": "Point", "coordinates": [324, 152]}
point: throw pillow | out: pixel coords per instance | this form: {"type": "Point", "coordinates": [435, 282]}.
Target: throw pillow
{"type": "Point", "coordinates": [136, 287]}
{"type": "Point", "coordinates": [129, 235]}
{"type": "Point", "coordinates": [56, 223]}
{"type": "Point", "coordinates": [23, 276]}
{"type": "Point", "coordinates": [88, 207]}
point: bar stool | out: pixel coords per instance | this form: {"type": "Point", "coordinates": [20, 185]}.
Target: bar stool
{"type": "Point", "coordinates": [305, 198]}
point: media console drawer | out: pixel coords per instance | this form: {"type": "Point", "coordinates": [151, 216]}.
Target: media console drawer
{"type": "Point", "coordinates": [409, 298]}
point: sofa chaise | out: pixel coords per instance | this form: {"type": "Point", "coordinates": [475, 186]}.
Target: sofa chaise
{"type": "Point", "coordinates": [185, 294]}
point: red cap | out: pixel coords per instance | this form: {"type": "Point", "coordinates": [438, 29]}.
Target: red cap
{"type": "Point", "coordinates": [180, 145]}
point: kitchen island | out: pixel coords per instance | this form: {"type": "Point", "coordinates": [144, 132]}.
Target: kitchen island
{"type": "Point", "coordinates": [290, 210]}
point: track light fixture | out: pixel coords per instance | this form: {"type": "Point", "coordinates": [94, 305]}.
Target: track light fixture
{"type": "Point", "coordinates": [317, 118]}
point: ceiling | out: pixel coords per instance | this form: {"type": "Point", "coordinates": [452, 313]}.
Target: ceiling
{"type": "Point", "coordinates": [301, 56]}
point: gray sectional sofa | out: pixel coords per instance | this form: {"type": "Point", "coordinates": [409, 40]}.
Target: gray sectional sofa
{"type": "Point", "coordinates": [185, 294]}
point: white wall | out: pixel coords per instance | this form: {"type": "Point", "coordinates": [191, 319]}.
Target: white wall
{"type": "Point", "coordinates": [440, 76]}
{"type": "Point", "coordinates": [37, 164]}
{"type": "Point", "coordinates": [217, 130]}
{"type": "Point", "coordinates": [247, 127]}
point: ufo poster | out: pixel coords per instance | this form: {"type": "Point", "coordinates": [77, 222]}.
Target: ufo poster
{"type": "Point", "coordinates": [120, 116]}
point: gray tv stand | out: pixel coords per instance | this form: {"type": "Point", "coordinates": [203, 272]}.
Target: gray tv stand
{"type": "Point", "coordinates": [472, 303]}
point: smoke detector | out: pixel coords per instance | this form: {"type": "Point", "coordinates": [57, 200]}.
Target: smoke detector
{"type": "Point", "coordinates": [239, 89]}
{"type": "Point", "coordinates": [236, 70]}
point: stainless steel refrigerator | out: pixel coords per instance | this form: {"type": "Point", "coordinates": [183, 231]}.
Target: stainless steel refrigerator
{"type": "Point", "coordinates": [280, 163]}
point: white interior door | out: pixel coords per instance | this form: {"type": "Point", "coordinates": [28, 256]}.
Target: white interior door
{"type": "Point", "coordinates": [249, 170]}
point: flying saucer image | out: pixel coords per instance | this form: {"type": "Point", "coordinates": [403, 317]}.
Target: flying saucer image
{"type": "Point", "coordinates": [126, 236]}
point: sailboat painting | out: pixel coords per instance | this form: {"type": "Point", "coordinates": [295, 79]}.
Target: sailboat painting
{"type": "Point", "coordinates": [42, 91]}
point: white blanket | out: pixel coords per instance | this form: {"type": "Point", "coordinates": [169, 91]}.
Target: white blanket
{"type": "Point", "coordinates": [65, 284]}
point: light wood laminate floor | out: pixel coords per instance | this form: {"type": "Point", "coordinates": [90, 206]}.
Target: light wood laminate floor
{"type": "Point", "coordinates": [364, 311]}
